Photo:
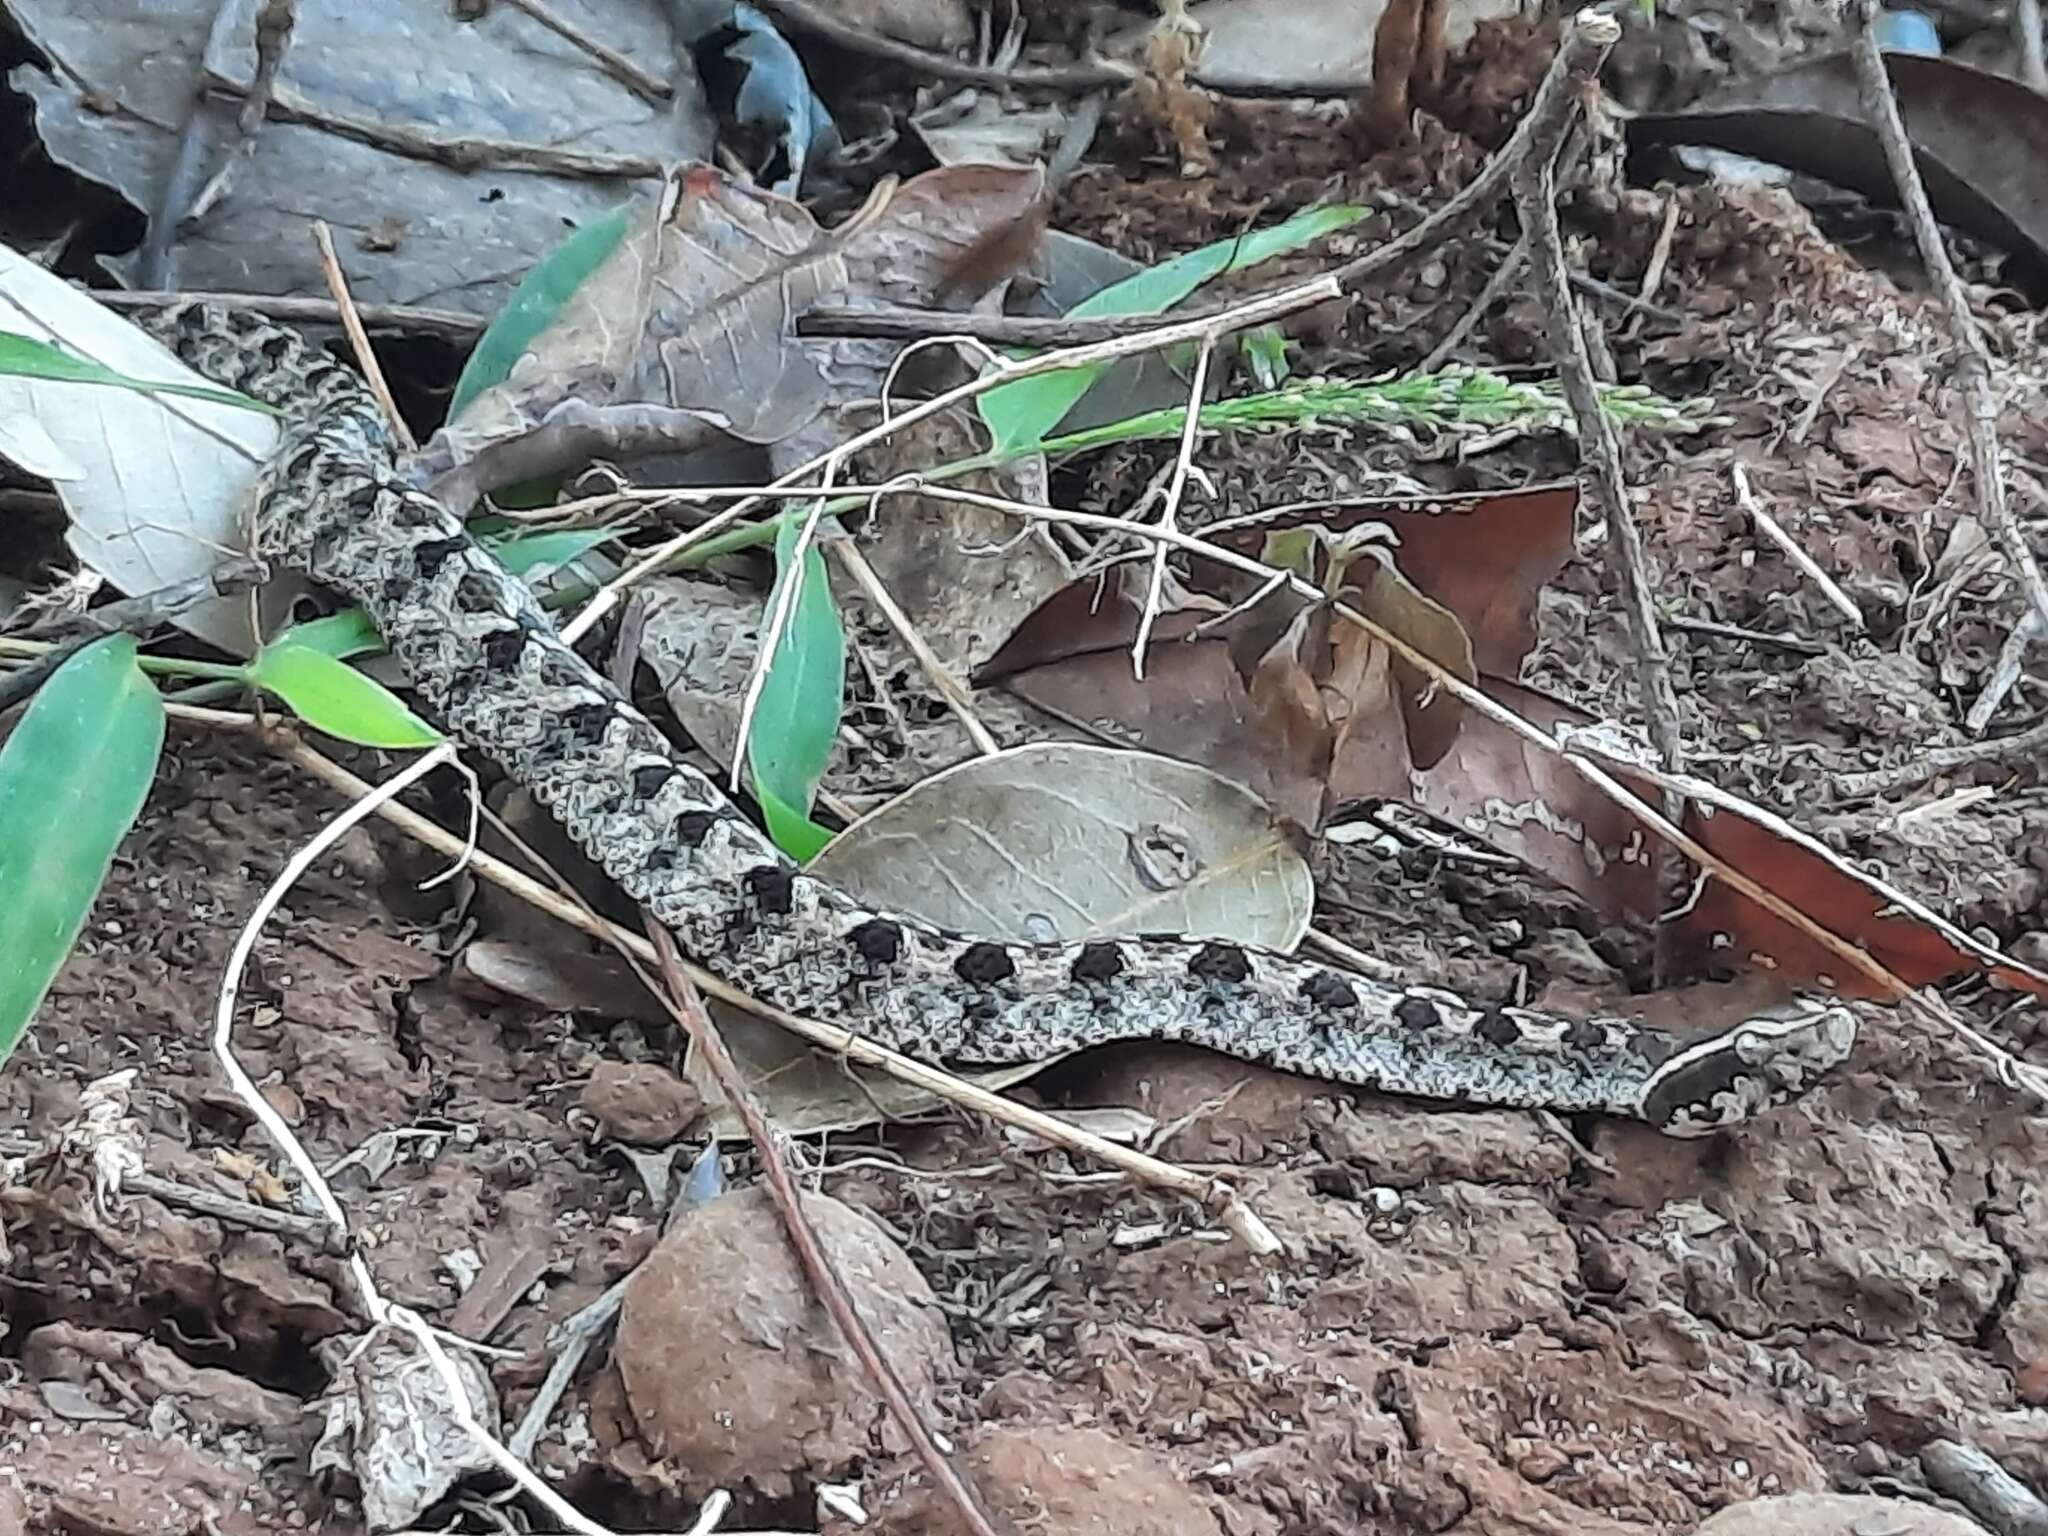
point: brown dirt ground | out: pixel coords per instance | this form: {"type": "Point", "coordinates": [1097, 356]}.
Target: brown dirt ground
{"type": "Point", "coordinates": [1472, 1327]}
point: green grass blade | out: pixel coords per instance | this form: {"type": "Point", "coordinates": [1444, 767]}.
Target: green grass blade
{"type": "Point", "coordinates": [73, 777]}
{"type": "Point", "coordinates": [798, 714]}
{"type": "Point", "coordinates": [1021, 414]}
{"type": "Point", "coordinates": [27, 357]}
{"type": "Point", "coordinates": [332, 696]}
{"type": "Point", "coordinates": [533, 304]}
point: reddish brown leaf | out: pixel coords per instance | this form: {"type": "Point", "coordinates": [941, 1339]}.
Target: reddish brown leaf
{"type": "Point", "coordinates": [1484, 555]}
{"type": "Point", "coordinates": [1531, 804]}
{"type": "Point", "coordinates": [1836, 896]}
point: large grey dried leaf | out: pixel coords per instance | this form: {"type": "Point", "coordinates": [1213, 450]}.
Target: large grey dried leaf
{"type": "Point", "coordinates": [1063, 841]}
{"type": "Point", "coordinates": [379, 103]}
{"type": "Point", "coordinates": [1049, 842]}
{"type": "Point", "coordinates": [1980, 140]}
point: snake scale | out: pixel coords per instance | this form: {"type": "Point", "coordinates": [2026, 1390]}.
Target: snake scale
{"type": "Point", "coordinates": [332, 503]}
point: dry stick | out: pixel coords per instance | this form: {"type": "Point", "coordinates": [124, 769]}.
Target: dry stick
{"type": "Point", "coordinates": [1829, 588]}
{"type": "Point", "coordinates": [955, 692]}
{"type": "Point", "coordinates": [314, 1231]}
{"type": "Point", "coordinates": [1496, 286]}
{"type": "Point", "coordinates": [1535, 201]}
{"type": "Point", "coordinates": [1217, 1195]}
{"type": "Point", "coordinates": [138, 615]}
{"type": "Point", "coordinates": [273, 29]}
{"type": "Point", "coordinates": [1980, 408]}
{"type": "Point", "coordinates": [1584, 44]}
{"type": "Point", "coordinates": [449, 325]}
{"type": "Point", "coordinates": [463, 152]}
{"type": "Point", "coordinates": [690, 1012]}
{"type": "Point", "coordinates": [358, 338]}
{"type": "Point", "coordinates": [1935, 761]}
{"type": "Point", "coordinates": [1169, 511]}
{"type": "Point", "coordinates": [624, 69]}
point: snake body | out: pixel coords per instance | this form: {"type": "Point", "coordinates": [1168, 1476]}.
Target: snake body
{"type": "Point", "coordinates": [485, 660]}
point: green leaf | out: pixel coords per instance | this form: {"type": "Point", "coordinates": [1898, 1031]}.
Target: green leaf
{"type": "Point", "coordinates": [1022, 413]}
{"type": "Point", "coordinates": [533, 304]}
{"type": "Point", "coordinates": [797, 716]}
{"type": "Point", "coordinates": [332, 696]}
{"type": "Point", "coordinates": [340, 635]}
{"type": "Point", "coordinates": [1266, 350]}
{"type": "Point", "coordinates": [541, 554]}
{"type": "Point", "coordinates": [73, 777]}
{"type": "Point", "coordinates": [30, 358]}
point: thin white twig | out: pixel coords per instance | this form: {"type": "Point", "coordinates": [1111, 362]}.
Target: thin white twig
{"type": "Point", "coordinates": [954, 691]}
{"type": "Point", "coordinates": [1799, 557]}
{"type": "Point", "coordinates": [381, 1311]}
{"type": "Point", "coordinates": [1169, 511]}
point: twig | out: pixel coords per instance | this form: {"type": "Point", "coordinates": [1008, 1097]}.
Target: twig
{"type": "Point", "coordinates": [1169, 510]}
{"type": "Point", "coordinates": [954, 691]}
{"type": "Point", "coordinates": [462, 152]}
{"type": "Point", "coordinates": [631, 75]}
{"type": "Point", "coordinates": [899, 322]}
{"type": "Point", "coordinates": [359, 339]}
{"type": "Point", "coordinates": [1973, 364]}
{"type": "Point", "coordinates": [140, 615]}
{"type": "Point", "coordinates": [449, 324]}
{"type": "Point", "coordinates": [817, 1264]}
{"type": "Point", "coordinates": [273, 31]}
{"type": "Point", "coordinates": [315, 1231]}
{"type": "Point", "coordinates": [1796, 643]}
{"type": "Point", "coordinates": [1536, 202]}
{"type": "Point", "coordinates": [2006, 670]}
{"type": "Point", "coordinates": [1932, 762]}
{"type": "Point", "coordinates": [1799, 557]}
{"type": "Point", "coordinates": [1983, 1487]}
{"type": "Point", "coordinates": [1496, 286]}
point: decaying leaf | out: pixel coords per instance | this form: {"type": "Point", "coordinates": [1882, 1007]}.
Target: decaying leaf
{"type": "Point", "coordinates": [1979, 139]}
{"type": "Point", "coordinates": [393, 1429]}
{"type": "Point", "coordinates": [1040, 843]}
{"type": "Point", "coordinates": [1311, 714]}
{"type": "Point", "coordinates": [686, 334]}
{"type": "Point", "coordinates": [1304, 710]}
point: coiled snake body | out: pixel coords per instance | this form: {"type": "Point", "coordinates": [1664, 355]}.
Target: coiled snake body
{"type": "Point", "coordinates": [487, 662]}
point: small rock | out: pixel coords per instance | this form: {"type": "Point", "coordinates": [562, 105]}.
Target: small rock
{"type": "Point", "coordinates": [639, 1103]}
{"type": "Point", "coordinates": [734, 1374]}
{"type": "Point", "coordinates": [1831, 1514]}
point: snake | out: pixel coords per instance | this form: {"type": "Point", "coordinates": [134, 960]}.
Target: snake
{"type": "Point", "coordinates": [332, 502]}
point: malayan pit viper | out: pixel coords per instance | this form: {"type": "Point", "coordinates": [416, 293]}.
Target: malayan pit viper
{"type": "Point", "coordinates": [332, 503]}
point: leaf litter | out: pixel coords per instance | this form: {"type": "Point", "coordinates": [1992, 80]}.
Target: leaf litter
{"type": "Point", "coordinates": [1553, 1285]}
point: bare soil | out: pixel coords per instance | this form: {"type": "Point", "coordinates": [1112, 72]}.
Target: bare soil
{"type": "Point", "coordinates": [1474, 1325]}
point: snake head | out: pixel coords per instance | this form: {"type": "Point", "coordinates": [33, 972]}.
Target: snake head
{"type": "Point", "coordinates": [1725, 1079]}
